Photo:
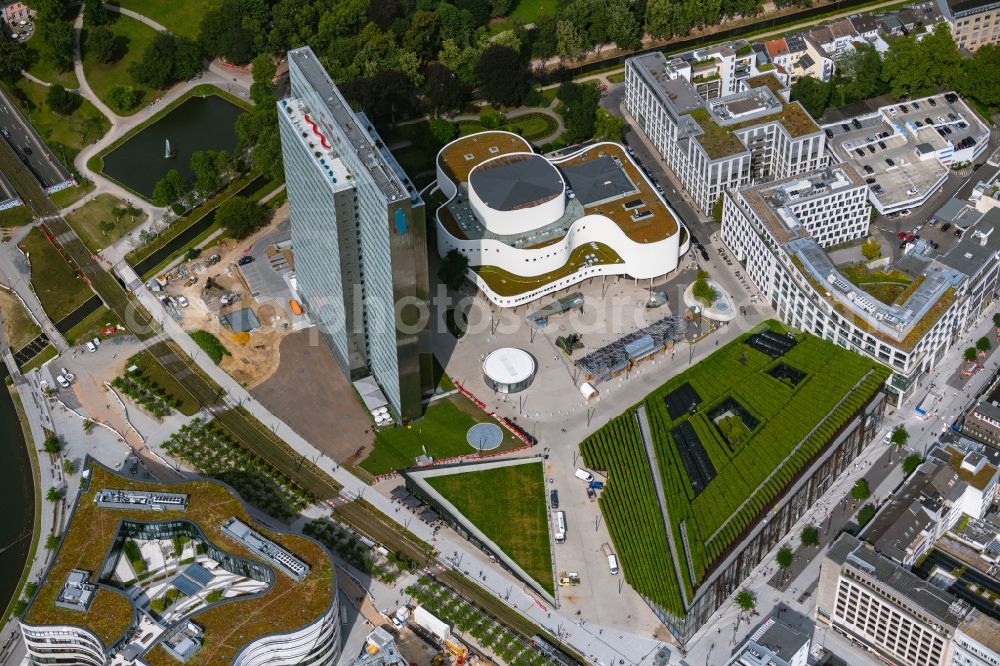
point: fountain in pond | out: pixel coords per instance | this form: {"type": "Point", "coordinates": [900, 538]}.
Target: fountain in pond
{"type": "Point", "coordinates": [170, 151]}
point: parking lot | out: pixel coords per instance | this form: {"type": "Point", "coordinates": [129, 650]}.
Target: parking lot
{"type": "Point", "coordinates": [896, 149]}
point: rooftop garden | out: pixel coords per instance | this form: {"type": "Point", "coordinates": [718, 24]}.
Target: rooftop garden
{"type": "Point", "coordinates": [977, 480]}
{"type": "Point", "coordinates": [787, 425]}
{"type": "Point", "coordinates": [506, 283]}
{"type": "Point", "coordinates": [287, 605]}
{"type": "Point", "coordinates": [512, 514]}
{"type": "Point", "coordinates": [886, 286]}
{"type": "Point", "coordinates": [766, 81]}
{"type": "Point", "coordinates": [716, 141]}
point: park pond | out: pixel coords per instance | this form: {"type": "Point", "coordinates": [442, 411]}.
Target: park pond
{"type": "Point", "coordinates": [199, 123]}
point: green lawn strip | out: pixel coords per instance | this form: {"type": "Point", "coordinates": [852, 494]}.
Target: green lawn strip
{"type": "Point", "coordinates": [786, 415]}
{"type": "Point", "coordinates": [18, 216]}
{"type": "Point", "coordinates": [70, 195]}
{"type": "Point", "coordinates": [505, 283]}
{"type": "Point", "coordinates": [182, 17]}
{"type": "Point", "coordinates": [64, 135]}
{"type": "Point", "coordinates": [56, 284]}
{"type": "Point", "coordinates": [525, 12]}
{"type": "Point", "coordinates": [102, 77]}
{"type": "Point", "coordinates": [511, 512]}
{"type": "Point", "coordinates": [49, 352]}
{"type": "Point", "coordinates": [211, 345]}
{"type": "Point", "coordinates": [102, 221]}
{"type": "Point", "coordinates": [441, 433]}
{"type": "Point", "coordinates": [154, 372]}
{"type": "Point", "coordinates": [18, 324]}
{"type": "Point", "coordinates": [617, 77]}
{"type": "Point", "coordinates": [43, 68]}
{"type": "Point", "coordinates": [92, 326]}
{"type": "Point", "coordinates": [36, 530]}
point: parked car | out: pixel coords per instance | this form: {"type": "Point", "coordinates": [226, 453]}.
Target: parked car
{"type": "Point", "coordinates": [869, 169]}
{"type": "Point", "coordinates": [5, 133]}
{"type": "Point", "coordinates": [182, 301]}
{"type": "Point", "coordinates": [584, 475]}
{"type": "Point", "coordinates": [554, 499]}
{"type": "Point", "coordinates": [860, 152]}
{"type": "Point", "coordinates": [881, 144]}
{"type": "Point", "coordinates": [916, 105]}
{"type": "Point", "coordinates": [904, 108]}
{"type": "Point", "coordinates": [958, 232]}
{"type": "Point", "coordinates": [70, 377]}
{"type": "Point", "coordinates": [62, 381]}
{"type": "Point", "coordinates": [889, 161]}
{"type": "Point", "coordinates": [97, 342]}
{"type": "Point", "coordinates": [597, 485]}
{"type": "Point", "coordinates": [931, 101]}
{"type": "Point", "coordinates": [245, 260]}
{"type": "Point", "coordinates": [829, 133]}
{"type": "Point", "coordinates": [91, 347]}
{"type": "Point", "coordinates": [951, 97]}
{"type": "Point", "coordinates": [946, 226]}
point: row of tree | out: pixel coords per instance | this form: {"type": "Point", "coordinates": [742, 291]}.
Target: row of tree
{"type": "Point", "coordinates": [911, 67]}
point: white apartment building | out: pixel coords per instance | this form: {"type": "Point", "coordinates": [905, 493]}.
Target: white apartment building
{"type": "Point", "coordinates": [774, 643]}
{"type": "Point", "coordinates": [977, 642]}
{"type": "Point", "coordinates": [882, 605]}
{"type": "Point", "coordinates": [726, 143]}
{"type": "Point", "coordinates": [779, 231]}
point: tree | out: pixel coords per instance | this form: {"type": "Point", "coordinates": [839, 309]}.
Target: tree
{"type": "Point", "coordinates": [443, 91]}
{"type": "Point", "coordinates": [579, 110]}
{"type": "Point", "coordinates": [608, 127]}
{"type": "Point", "coordinates": [812, 93]}
{"type": "Point", "coordinates": [702, 290]}
{"type": "Point", "coordinates": [569, 43]}
{"type": "Point", "coordinates": [386, 96]}
{"type": "Point", "coordinates": [453, 269]}
{"type": "Point", "coordinates": [911, 463]}
{"type": "Point", "coordinates": [95, 13]}
{"type": "Point", "coordinates": [60, 38]}
{"type": "Point", "coordinates": [502, 76]}
{"type": "Point", "coordinates": [866, 514]}
{"type": "Point", "coordinates": [168, 189]}
{"type": "Point", "coordinates": [262, 88]}
{"type": "Point", "coordinates": [920, 68]}
{"type": "Point", "coordinates": [14, 57]}
{"type": "Point", "coordinates": [983, 344]}
{"type": "Point", "coordinates": [982, 72]}
{"type": "Point", "coordinates": [61, 101]}
{"type": "Point", "coordinates": [69, 467]}
{"type": "Point", "coordinates": [236, 30]}
{"type": "Point", "coordinates": [105, 45]}
{"type": "Point", "coordinates": [123, 98]}
{"type": "Point", "coordinates": [899, 437]}
{"type": "Point", "coordinates": [240, 216]}
{"type": "Point", "coordinates": [51, 542]}
{"type": "Point", "coordinates": [784, 558]}
{"type": "Point", "coordinates": [858, 75]}
{"type": "Point", "coordinates": [167, 60]}
{"type": "Point", "coordinates": [970, 354]}
{"type": "Point", "coordinates": [623, 26]}
{"type": "Point", "coordinates": [860, 490]}
{"type": "Point", "coordinates": [746, 600]}
{"type": "Point", "coordinates": [422, 36]}
{"type": "Point", "coordinates": [996, 320]}
{"type": "Point", "coordinates": [53, 495]}
{"type": "Point", "coordinates": [52, 445]}
{"type": "Point", "coordinates": [207, 172]}
{"type": "Point", "coordinates": [871, 249]}
{"type": "Point", "coordinates": [810, 536]}
{"type": "Point", "coordinates": [443, 131]}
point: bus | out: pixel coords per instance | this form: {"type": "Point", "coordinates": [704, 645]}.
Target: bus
{"type": "Point", "coordinates": [560, 527]}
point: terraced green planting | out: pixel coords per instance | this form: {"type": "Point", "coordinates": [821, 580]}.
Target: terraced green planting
{"type": "Point", "coordinates": [508, 505]}
{"type": "Point", "coordinates": [792, 425]}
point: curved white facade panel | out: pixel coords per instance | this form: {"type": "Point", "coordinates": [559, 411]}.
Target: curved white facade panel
{"type": "Point", "coordinates": [62, 645]}
{"type": "Point", "coordinates": [524, 219]}
{"type": "Point", "coordinates": [317, 643]}
{"type": "Point", "coordinates": [642, 260]}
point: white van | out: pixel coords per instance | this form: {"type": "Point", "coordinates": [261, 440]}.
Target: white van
{"type": "Point", "coordinates": [560, 527]}
{"type": "Point", "coordinates": [584, 475]}
{"type": "Point", "coordinates": [613, 564]}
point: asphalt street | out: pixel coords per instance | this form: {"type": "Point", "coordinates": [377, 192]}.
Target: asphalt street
{"type": "Point", "coordinates": [28, 146]}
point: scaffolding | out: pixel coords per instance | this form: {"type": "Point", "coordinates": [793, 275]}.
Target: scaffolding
{"type": "Point", "coordinates": [602, 364]}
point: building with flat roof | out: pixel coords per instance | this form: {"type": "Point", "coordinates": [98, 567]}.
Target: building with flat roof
{"type": "Point", "coordinates": [774, 643]}
{"type": "Point", "coordinates": [903, 618]}
{"type": "Point", "coordinates": [973, 23]}
{"type": "Point", "coordinates": [983, 423]}
{"type": "Point", "coordinates": [533, 225]}
{"type": "Point", "coordinates": [359, 235]}
{"type": "Point", "coordinates": [905, 151]}
{"type": "Point", "coordinates": [197, 582]}
{"type": "Point", "coordinates": [752, 134]}
{"type": "Point", "coordinates": [780, 232]}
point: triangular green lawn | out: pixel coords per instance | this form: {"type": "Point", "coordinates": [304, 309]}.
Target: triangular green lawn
{"type": "Point", "coordinates": [508, 505]}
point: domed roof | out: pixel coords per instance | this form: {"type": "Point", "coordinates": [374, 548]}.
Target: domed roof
{"type": "Point", "coordinates": [512, 182]}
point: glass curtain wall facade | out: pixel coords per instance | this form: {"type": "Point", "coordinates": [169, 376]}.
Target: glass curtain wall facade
{"type": "Point", "coordinates": [359, 235]}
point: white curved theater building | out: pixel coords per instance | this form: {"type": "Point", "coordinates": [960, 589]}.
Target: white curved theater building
{"type": "Point", "coordinates": [532, 225]}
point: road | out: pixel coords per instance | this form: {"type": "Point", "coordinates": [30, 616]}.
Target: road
{"type": "Point", "coordinates": [30, 148]}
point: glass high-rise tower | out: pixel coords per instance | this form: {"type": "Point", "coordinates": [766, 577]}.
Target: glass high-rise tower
{"type": "Point", "coordinates": [359, 236]}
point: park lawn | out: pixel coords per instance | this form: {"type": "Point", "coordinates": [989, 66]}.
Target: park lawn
{"type": "Point", "coordinates": [102, 77]}
{"type": "Point", "coordinates": [70, 195]}
{"type": "Point", "coordinates": [152, 370]}
{"type": "Point", "coordinates": [92, 325]}
{"type": "Point", "coordinates": [441, 432]}
{"type": "Point", "coordinates": [55, 282]}
{"type": "Point", "coordinates": [71, 132]}
{"type": "Point", "coordinates": [526, 11]}
{"type": "Point", "coordinates": [102, 220]}
{"type": "Point", "coordinates": [43, 68]}
{"type": "Point", "coordinates": [17, 323]}
{"type": "Point", "coordinates": [508, 505]}
{"type": "Point", "coordinates": [17, 216]}
{"type": "Point", "coordinates": [182, 17]}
